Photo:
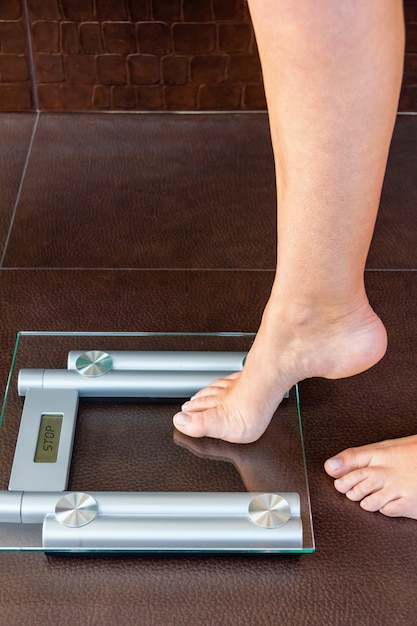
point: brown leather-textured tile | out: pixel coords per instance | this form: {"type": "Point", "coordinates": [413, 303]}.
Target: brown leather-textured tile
{"type": "Point", "coordinates": [15, 130]}
{"type": "Point", "coordinates": [147, 191]}
{"type": "Point", "coordinates": [364, 569]}
{"type": "Point", "coordinates": [205, 169]}
{"type": "Point", "coordinates": [377, 555]}
{"type": "Point", "coordinates": [395, 240]}
{"type": "Point", "coordinates": [142, 300]}
{"type": "Point", "coordinates": [118, 300]}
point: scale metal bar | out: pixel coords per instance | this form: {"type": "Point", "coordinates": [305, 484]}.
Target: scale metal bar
{"type": "Point", "coordinates": [172, 534]}
{"type": "Point", "coordinates": [31, 507]}
{"type": "Point", "coordinates": [168, 361]}
{"type": "Point", "coordinates": [120, 383]}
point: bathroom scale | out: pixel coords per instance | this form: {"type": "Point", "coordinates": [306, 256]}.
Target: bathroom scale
{"type": "Point", "coordinates": [91, 461]}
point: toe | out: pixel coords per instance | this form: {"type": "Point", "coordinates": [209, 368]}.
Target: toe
{"type": "Point", "coordinates": [216, 385]}
{"type": "Point", "coordinates": [348, 460]}
{"type": "Point", "coordinates": [372, 482]}
{"type": "Point", "coordinates": [201, 403]}
{"type": "Point", "coordinates": [191, 424]}
{"type": "Point", "coordinates": [207, 423]}
{"type": "Point", "coordinates": [217, 423]}
{"type": "Point", "coordinates": [350, 481]}
{"type": "Point", "coordinates": [400, 507]}
{"type": "Point", "coordinates": [377, 500]}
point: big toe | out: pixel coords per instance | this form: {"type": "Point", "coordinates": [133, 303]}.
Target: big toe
{"type": "Point", "coordinates": [334, 466]}
{"type": "Point", "coordinates": [216, 423]}
{"type": "Point", "coordinates": [348, 460]}
{"type": "Point", "coordinates": [208, 423]}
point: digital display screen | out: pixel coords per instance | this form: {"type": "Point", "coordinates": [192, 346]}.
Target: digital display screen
{"type": "Point", "coordinates": [48, 438]}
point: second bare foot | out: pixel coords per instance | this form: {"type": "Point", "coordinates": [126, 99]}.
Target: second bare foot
{"type": "Point", "coordinates": [381, 476]}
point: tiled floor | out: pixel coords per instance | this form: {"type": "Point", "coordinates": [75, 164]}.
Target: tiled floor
{"type": "Point", "coordinates": [167, 222]}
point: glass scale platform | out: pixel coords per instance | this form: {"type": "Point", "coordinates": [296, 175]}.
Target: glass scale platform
{"type": "Point", "coordinates": [91, 461]}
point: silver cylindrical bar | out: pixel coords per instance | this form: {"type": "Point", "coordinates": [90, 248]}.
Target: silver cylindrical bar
{"type": "Point", "coordinates": [119, 383]}
{"type": "Point", "coordinates": [32, 507]}
{"type": "Point", "coordinates": [168, 361]}
{"type": "Point", "coordinates": [10, 506]}
{"type": "Point", "coordinates": [173, 534]}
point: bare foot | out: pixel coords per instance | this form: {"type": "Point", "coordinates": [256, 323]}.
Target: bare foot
{"type": "Point", "coordinates": [293, 343]}
{"type": "Point", "coordinates": [382, 476]}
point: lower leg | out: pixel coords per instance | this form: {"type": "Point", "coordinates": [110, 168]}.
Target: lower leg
{"type": "Point", "coordinates": [332, 73]}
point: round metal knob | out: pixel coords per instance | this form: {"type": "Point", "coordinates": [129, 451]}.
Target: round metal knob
{"type": "Point", "coordinates": [269, 510]}
{"type": "Point", "coordinates": [93, 363]}
{"type": "Point", "coordinates": [76, 509]}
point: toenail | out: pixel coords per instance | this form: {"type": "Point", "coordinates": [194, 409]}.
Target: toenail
{"type": "Point", "coordinates": [182, 419]}
{"type": "Point", "coordinates": [334, 463]}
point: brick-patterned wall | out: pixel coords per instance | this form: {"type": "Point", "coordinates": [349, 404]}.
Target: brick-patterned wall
{"type": "Point", "coordinates": [15, 77]}
{"type": "Point", "coordinates": [408, 99]}
{"type": "Point", "coordinates": [141, 55]}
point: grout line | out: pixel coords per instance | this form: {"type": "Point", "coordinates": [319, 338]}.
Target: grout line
{"type": "Point", "coordinates": [169, 269]}
{"type": "Point", "coordinates": [392, 269]}
{"type": "Point", "coordinates": [163, 112]}
{"type": "Point", "coordinates": [30, 54]}
{"type": "Point", "coordinates": [137, 269]}
{"type": "Point", "coordinates": [160, 112]}
{"type": "Point", "coordinates": [19, 191]}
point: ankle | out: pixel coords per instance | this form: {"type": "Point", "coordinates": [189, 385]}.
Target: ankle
{"type": "Point", "coordinates": [302, 311]}
{"type": "Point", "coordinates": [332, 341]}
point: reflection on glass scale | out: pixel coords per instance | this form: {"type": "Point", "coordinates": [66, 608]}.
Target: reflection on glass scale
{"type": "Point", "coordinates": [137, 521]}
